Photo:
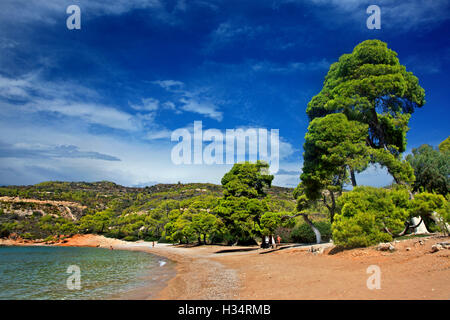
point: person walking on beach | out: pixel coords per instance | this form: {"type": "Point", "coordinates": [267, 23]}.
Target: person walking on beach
{"type": "Point", "coordinates": [153, 244]}
{"type": "Point", "coordinates": [278, 240]}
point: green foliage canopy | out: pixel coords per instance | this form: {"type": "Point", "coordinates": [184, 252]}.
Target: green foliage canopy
{"type": "Point", "coordinates": [245, 200]}
{"type": "Point", "coordinates": [247, 180]}
{"type": "Point", "coordinates": [431, 168]}
{"type": "Point", "coordinates": [370, 85]}
{"type": "Point", "coordinates": [333, 145]}
{"type": "Point", "coordinates": [444, 146]}
{"type": "Point", "coordinates": [366, 212]}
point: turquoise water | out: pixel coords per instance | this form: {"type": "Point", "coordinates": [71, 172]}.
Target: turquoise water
{"type": "Point", "coordinates": [41, 273]}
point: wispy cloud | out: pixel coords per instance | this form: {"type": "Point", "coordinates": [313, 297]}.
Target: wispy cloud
{"type": "Point", "coordinates": [424, 65]}
{"type": "Point", "coordinates": [52, 11]}
{"type": "Point", "coordinates": [32, 94]}
{"type": "Point", "coordinates": [25, 150]}
{"type": "Point", "coordinates": [148, 104]}
{"type": "Point", "coordinates": [290, 67]}
{"type": "Point", "coordinates": [189, 101]}
{"type": "Point", "coordinates": [397, 16]}
{"type": "Point", "coordinates": [230, 31]}
{"type": "Point", "coordinates": [170, 85]}
{"type": "Point", "coordinates": [158, 134]}
{"type": "Point", "coordinates": [204, 108]}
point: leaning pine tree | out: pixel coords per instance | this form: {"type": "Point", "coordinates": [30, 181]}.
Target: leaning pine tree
{"type": "Point", "coordinates": [360, 117]}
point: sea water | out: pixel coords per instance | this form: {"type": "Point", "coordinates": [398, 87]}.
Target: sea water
{"type": "Point", "coordinates": [37, 272]}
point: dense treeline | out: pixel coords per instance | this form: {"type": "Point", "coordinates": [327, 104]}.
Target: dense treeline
{"type": "Point", "coordinates": [126, 213]}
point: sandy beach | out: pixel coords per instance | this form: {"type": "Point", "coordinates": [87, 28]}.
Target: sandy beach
{"type": "Point", "coordinates": [412, 271]}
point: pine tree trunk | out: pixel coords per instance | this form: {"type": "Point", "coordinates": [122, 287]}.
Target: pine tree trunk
{"type": "Point", "coordinates": [313, 227]}
{"type": "Point", "coordinates": [352, 175]}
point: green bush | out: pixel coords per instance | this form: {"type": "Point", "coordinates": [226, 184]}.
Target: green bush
{"type": "Point", "coordinates": [303, 232]}
{"type": "Point", "coordinates": [50, 238]}
{"type": "Point", "coordinates": [221, 236]}
{"type": "Point", "coordinates": [424, 204]}
{"type": "Point", "coordinates": [28, 236]}
{"type": "Point", "coordinates": [360, 230]}
{"type": "Point", "coordinates": [366, 212]}
{"type": "Point", "coordinates": [131, 238]}
{"type": "Point", "coordinates": [284, 233]}
{"type": "Point", "coordinates": [163, 239]}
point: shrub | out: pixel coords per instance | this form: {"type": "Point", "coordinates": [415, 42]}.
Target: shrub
{"type": "Point", "coordinates": [366, 212]}
{"type": "Point", "coordinates": [28, 235]}
{"type": "Point", "coordinates": [426, 204]}
{"type": "Point", "coordinates": [50, 238]}
{"type": "Point", "coordinates": [303, 232]}
{"type": "Point", "coordinates": [130, 238]}
{"type": "Point", "coordinates": [360, 230]}
{"type": "Point", "coordinates": [163, 239]}
{"type": "Point", "coordinates": [284, 233]}
{"type": "Point", "coordinates": [221, 236]}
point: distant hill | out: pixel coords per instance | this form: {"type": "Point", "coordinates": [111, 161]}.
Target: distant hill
{"type": "Point", "coordinates": [53, 208]}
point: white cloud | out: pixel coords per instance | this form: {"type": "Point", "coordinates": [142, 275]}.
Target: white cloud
{"type": "Point", "coordinates": [286, 149]}
{"type": "Point", "coordinates": [374, 176]}
{"type": "Point", "coordinates": [37, 95]}
{"type": "Point", "coordinates": [148, 104]}
{"type": "Point", "coordinates": [204, 108]}
{"type": "Point", "coordinates": [190, 101]}
{"type": "Point", "coordinates": [169, 105]}
{"type": "Point", "coordinates": [50, 138]}
{"type": "Point", "coordinates": [158, 134]}
{"type": "Point", "coordinates": [169, 84]}
{"type": "Point", "coordinates": [27, 150]}
{"type": "Point", "coordinates": [89, 112]}
{"type": "Point", "coordinates": [24, 11]}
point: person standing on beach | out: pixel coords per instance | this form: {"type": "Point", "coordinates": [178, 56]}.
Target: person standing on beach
{"type": "Point", "coordinates": [265, 242]}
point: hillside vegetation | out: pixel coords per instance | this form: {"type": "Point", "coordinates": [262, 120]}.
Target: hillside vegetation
{"type": "Point", "coordinates": [41, 211]}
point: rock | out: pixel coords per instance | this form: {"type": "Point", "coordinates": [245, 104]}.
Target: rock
{"type": "Point", "coordinates": [408, 249]}
{"type": "Point", "coordinates": [436, 248]}
{"type": "Point", "coordinates": [391, 248]}
{"type": "Point", "coordinates": [445, 245]}
{"type": "Point", "coordinates": [316, 250]}
{"type": "Point", "coordinates": [421, 242]}
{"type": "Point", "coordinates": [384, 246]}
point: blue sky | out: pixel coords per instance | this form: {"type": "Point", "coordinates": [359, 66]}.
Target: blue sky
{"type": "Point", "coordinates": [100, 103]}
